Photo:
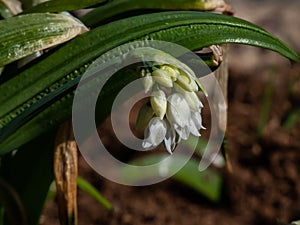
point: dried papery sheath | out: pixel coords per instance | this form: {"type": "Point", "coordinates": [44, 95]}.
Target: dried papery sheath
{"type": "Point", "coordinates": [14, 6]}
{"type": "Point", "coordinates": [25, 34]}
{"type": "Point", "coordinates": [65, 173]}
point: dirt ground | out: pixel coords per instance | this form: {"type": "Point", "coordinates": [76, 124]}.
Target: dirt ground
{"type": "Point", "coordinates": [265, 183]}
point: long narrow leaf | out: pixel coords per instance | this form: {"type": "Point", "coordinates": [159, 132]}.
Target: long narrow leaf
{"type": "Point", "coordinates": [124, 8]}
{"type": "Point", "coordinates": [93, 192]}
{"type": "Point", "coordinates": [63, 5]}
{"type": "Point", "coordinates": [208, 182]}
{"type": "Point", "coordinates": [25, 34]}
{"type": "Point", "coordinates": [193, 30]}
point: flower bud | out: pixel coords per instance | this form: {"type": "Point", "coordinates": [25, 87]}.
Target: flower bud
{"type": "Point", "coordinates": [148, 82]}
{"type": "Point", "coordinates": [172, 72]}
{"type": "Point", "coordinates": [159, 103]}
{"type": "Point", "coordinates": [161, 77]}
{"type": "Point", "coordinates": [143, 72]}
{"type": "Point", "coordinates": [155, 133]}
{"type": "Point", "coordinates": [187, 83]}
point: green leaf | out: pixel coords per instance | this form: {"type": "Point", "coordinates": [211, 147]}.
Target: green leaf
{"type": "Point", "coordinates": [208, 182]}
{"type": "Point", "coordinates": [93, 192]}
{"type": "Point", "coordinates": [51, 192]}
{"type": "Point", "coordinates": [199, 148]}
{"type": "Point", "coordinates": [266, 106]}
{"type": "Point", "coordinates": [291, 119]}
{"type": "Point", "coordinates": [30, 172]}
{"type": "Point", "coordinates": [25, 34]}
{"type": "Point", "coordinates": [63, 5]}
{"type": "Point", "coordinates": [193, 30]}
{"type": "Point", "coordinates": [124, 8]}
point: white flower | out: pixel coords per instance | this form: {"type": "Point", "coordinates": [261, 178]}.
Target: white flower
{"type": "Point", "coordinates": [193, 128]}
{"type": "Point", "coordinates": [182, 118]}
{"type": "Point", "coordinates": [159, 103]}
{"type": "Point", "coordinates": [155, 133]}
{"type": "Point", "coordinates": [197, 119]}
{"type": "Point", "coordinates": [191, 97]}
{"type": "Point", "coordinates": [179, 115]}
{"type": "Point", "coordinates": [170, 139]}
{"type": "Point", "coordinates": [178, 110]}
{"type": "Point", "coordinates": [180, 122]}
{"type": "Point", "coordinates": [176, 106]}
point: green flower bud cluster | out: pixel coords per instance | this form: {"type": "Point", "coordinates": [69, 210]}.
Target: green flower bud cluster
{"type": "Point", "coordinates": [167, 76]}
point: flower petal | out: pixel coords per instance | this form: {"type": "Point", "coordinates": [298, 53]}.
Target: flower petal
{"type": "Point", "coordinates": [197, 119]}
{"type": "Point", "coordinates": [193, 129]}
{"type": "Point", "coordinates": [154, 133]}
{"type": "Point", "coordinates": [191, 97]}
{"type": "Point", "coordinates": [178, 110]}
{"type": "Point", "coordinates": [170, 139]}
{"type": "Point", "coordinates": [183, 132]}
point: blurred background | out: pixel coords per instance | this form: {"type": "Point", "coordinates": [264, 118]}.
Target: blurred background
{"type": "Point", "coordinates": [281, 18]}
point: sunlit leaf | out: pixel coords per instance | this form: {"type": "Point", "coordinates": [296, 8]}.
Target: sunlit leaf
{"type": "Point", "coordinates": [193, 30]}
{"type": "Point", "coordinates": [93, 192]}
{"type": "Point", "coordinates": [25, 34]}
{"type": "Point", "coordinates": [208, 182]}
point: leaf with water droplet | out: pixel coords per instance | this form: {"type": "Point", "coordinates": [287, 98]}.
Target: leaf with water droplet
{"type": "Point", "coordinates": [23, 35]}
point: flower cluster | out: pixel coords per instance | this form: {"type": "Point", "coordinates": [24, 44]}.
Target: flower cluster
{"type": "Point", "coordinates": [175, 104]}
